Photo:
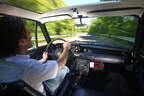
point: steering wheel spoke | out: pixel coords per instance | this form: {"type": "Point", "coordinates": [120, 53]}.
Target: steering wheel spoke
{"type": "Point", "coordinates": [53, 50]}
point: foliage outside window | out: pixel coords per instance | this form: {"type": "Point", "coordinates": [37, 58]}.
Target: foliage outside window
{"type": "Point", "coordinates": [118, 29]}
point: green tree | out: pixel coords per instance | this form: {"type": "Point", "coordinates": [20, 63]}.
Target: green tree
{"type": "Point", "coordinates": [119, 25]}
{"type": "Point", "coordinates": [41, 6]}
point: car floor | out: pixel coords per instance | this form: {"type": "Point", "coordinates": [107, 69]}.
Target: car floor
{"type": "Point", "coordinates": [93, 86]}
{"type": "Point", "coordinates": [101, 83]}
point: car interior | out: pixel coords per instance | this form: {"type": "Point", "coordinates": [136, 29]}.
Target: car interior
{"type": "Point", "coordinates": [95, 69]}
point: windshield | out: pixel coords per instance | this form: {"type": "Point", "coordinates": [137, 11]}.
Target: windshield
{"type": "Point", "coordinates": [118, 31]}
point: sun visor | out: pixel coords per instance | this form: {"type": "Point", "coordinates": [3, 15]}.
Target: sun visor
{"type": "Point", "coordinates": [54, 18]}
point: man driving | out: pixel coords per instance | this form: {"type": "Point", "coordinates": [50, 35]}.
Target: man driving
{"type": "Point", "coordinates": [15, 64]}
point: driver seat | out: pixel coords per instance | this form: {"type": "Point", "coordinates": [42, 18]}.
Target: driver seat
{"type": "Point", "coordinates": [14, 88]}
{"type": "Point", "coordinates": [18, 88]}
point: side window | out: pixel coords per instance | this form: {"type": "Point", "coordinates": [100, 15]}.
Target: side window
{"type": "Point", "coordinates": [31, 27]}
{"type": "Point", "coordinates": [41, 40]}
{"type": "Point", "coordinates": [40, 37]}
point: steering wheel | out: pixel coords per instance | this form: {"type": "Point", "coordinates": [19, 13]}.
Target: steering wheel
{"type": "Point", "coordinates": [53, 51]}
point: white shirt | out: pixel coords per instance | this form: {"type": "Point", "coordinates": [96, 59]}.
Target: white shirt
{"type": "Point", "coordinates": [31, 71]}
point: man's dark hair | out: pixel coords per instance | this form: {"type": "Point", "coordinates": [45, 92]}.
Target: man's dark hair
{"type": "Point", "coordinates": [12, 29]}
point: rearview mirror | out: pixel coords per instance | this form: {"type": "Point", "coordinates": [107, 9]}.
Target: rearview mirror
{"type": "Point", "coordinates": [80, 26]}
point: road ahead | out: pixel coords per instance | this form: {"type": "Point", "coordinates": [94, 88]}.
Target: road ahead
{"type": "Point", "coordinates": [91, 38]}
{"type": "Point", "coordinates": [88, 38]}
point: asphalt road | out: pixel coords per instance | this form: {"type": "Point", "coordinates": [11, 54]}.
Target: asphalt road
{"type": "Point", "coordinates": [91, 38]}
{"type": "Point", "coordinates": [87, 38]}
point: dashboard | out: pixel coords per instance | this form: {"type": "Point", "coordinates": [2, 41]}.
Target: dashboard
{"type": "Point", "coordinates": [99, 53]}
{"type": "Point", "coordinates": [96, 56]}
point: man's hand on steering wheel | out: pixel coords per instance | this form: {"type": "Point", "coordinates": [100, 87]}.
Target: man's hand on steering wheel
{"type": "Point", "coordinates": [45, 55]}
{"type": "Point", "coordinates": [67, 45]}
{"type": "Point", "coordinates": [44, 58]}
